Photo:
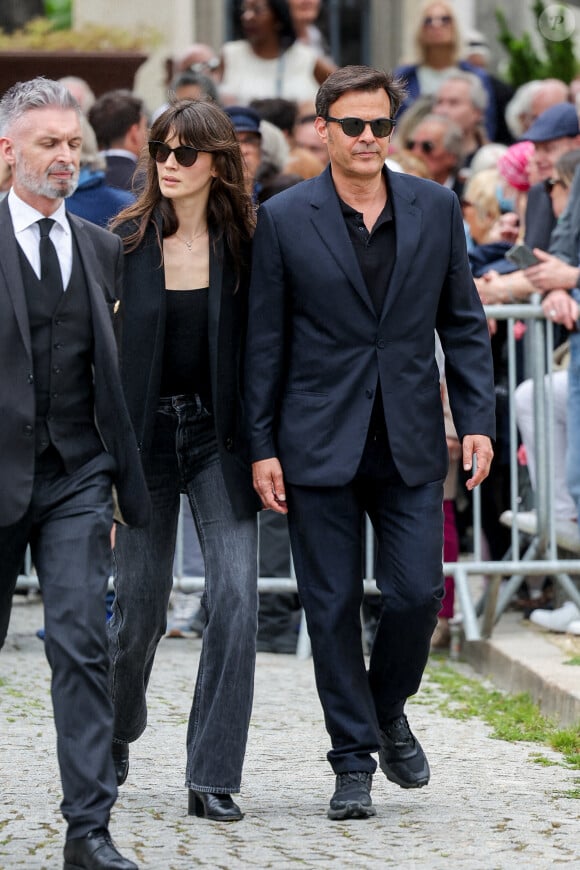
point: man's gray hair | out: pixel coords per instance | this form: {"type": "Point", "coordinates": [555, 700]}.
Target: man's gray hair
{"type": "Point", "coordinates": [38, 93]}
{"type": "Point", "coordinates": [477, 93]}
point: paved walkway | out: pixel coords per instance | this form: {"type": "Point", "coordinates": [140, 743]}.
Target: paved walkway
{"type": "Point", "coordinates": [488, 805]}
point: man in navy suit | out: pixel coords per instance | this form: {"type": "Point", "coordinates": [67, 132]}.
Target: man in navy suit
{"type": "Point", "coordinates": [353, 272]}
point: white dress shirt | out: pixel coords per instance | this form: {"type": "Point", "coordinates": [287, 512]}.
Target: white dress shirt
{"type": "Point", "coordinates": [24, 220]}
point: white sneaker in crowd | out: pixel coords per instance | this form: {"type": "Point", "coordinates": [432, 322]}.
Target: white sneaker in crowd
{"type": "Point", "coordinates": [556, 620]}
{"type": "Point", "coordinates": [574, 627]}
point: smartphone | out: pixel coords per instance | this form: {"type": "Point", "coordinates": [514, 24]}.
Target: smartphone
{"type": "Point", "coordinates": [522, 256]}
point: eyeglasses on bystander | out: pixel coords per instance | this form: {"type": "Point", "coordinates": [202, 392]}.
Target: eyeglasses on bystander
{"type": "Point", "coordinates": [551, 183]}
{"type": "Point", "coordinates": [427, 147]}
{"type": "Point", "coordinates": [437, 20]}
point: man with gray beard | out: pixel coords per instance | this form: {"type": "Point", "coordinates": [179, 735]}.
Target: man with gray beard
{"type": "Point", "coordinates": [66, 441]}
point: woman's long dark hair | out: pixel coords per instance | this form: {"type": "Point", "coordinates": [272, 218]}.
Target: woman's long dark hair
{"type": "Point", "coordinates": [230, 212]}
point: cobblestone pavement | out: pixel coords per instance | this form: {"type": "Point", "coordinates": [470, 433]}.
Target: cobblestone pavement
{"type": "Point", "coordinates": [488, 804]}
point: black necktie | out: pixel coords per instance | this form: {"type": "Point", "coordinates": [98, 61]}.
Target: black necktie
{"type": "Point", "coordinates": [50, 273]}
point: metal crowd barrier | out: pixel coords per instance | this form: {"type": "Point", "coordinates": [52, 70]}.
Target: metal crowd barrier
{"type": "Point", "coordinates": [502, 578]}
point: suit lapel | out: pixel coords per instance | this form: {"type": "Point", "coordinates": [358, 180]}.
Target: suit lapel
{"type": "Point", "coordinates": [329, 223]}
{"type": "Point", "coordinates": [216, 278]}
{"type": "Point", "coordinates": [99, 311]}
{"type": "Point", "coordinates": [12, 273]}
{"type": "Point", "coordinates": [89, 260]}
{"type": "Point", "coordinates": [408, 225]}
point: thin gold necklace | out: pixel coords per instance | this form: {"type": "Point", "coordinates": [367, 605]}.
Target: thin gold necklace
{"type": "Point", "coordinates": [189, 242]}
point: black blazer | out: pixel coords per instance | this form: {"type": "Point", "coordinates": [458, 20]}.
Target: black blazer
{"type": "Point", "coordinates": [316, 349]}
{"type": "Point", "coordinates": [142, 353]}
{"type": "Point", "coordinates": [101, 257]}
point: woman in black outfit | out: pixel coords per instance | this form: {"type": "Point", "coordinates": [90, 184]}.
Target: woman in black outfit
{"type": "Point", "coordinates": [187, 257]}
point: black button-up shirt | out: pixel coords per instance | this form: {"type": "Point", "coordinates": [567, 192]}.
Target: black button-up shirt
{"type": "Point", "coordinates": [375, 251]}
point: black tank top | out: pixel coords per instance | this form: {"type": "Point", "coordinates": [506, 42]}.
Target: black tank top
{"type": "Point", "coordinates": [186, 350]}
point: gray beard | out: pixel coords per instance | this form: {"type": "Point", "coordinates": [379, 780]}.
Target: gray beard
{"type": "Point", "coordinates": [44, 186]}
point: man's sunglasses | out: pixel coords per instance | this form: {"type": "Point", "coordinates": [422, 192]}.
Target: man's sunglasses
{"type": "Point", "coordinates": [380, 127]}
{"type": "Point", "coordinates": [426, 147]}
{"type": "Point", "coordinates": [551, 183]}
{"type": "Point", "coordinates": [184, 154]}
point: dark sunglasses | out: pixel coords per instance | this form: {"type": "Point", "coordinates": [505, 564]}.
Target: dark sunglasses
{"type": "Point", "coordinates": [426, 147]}
{"type": "Point", "coordinates": [551, 183]}
{"type": "Point", "coordinates": [184, 154]}
{"type": "Point", "coordinates": [380, 127]}
{"type": "Point", "coordinates": [432, 20]}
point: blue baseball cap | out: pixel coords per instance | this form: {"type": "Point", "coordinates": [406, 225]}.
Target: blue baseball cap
{"type": "Point", "coordinates": [557, 122]}
{"type": "Point", "coordinates": [244, 119]}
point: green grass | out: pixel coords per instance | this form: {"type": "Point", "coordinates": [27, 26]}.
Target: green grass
{"type": "Point", "coordinates": [575, 660]}
{"type": "Point", "coordinates": [511, 717]}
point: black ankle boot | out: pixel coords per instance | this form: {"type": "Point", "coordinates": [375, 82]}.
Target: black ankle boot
{"type": "Point", "coordinates": [121, 761]}
{"type": "Point", "coordinates": [216, 807]}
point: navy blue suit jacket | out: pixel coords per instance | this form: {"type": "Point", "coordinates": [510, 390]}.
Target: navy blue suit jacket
{"type": "Point", "coordinates": [316, 351]}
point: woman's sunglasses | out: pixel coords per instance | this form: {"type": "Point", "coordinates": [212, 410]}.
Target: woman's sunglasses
{"type": "Point", "coordinates": [380, 127]}
{"type": "Point", "coordinates": [185, 155]}
{"type": "Point", "coordinates": [426, 147]}
{"type": "Point", "coordinates": [434, 20]}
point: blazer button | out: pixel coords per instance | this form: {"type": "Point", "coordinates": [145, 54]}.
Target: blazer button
{"type": "Point", "coordinates": [380, 343]}
{"type": "Point", "coordinates": [229, 443]}
{"type": "Point", "coordinates": [369, 394]}
{"type": "Point", "coordinates": [30, 379]}
{"type": "Point", "coordinates": [28, 430]}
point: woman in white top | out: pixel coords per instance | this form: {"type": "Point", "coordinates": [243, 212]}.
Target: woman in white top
{"type": "Point", "coordinates": [269, 61]}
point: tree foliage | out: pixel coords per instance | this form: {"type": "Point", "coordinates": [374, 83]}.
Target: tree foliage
{"type": "Point", "coordinates": [556, 59]}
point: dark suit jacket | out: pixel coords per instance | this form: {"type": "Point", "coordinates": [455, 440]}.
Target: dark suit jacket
{"type": "Point", "coordinates": [316, 349]}
{"type": "Point", "coordinates": [142, 352]}
{"type": "Point", "coordinates": [565, 238]}
{"type": "Point", "coordinates": [540, 218]}
{"type": "Point", "coordinates": [101, 258]}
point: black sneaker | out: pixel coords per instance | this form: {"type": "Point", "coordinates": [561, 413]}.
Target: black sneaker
{"type": "Point", "coordinates": [352, 798]}
{"type": "Point", "coordinates": [401, 756]}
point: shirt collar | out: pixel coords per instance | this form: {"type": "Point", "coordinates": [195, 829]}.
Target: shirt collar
{"type": "Point", "coordinates": [120, 152]}
{"type": "Point", "coordinates": [24, 215]}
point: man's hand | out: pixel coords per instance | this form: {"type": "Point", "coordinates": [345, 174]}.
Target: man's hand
{"type": "Point", "coordinates": [487, 287]}
{"type": "Point", "coordinates": [269, 484]}
{"type": "Point", "coordinates": [480, 447]}
{"type": "Point", "coordinates": [496, 289]}
{"type": "Point", "coordinates": [552, 273]}
{"type": "Point", "coordinates": [559, 307]}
